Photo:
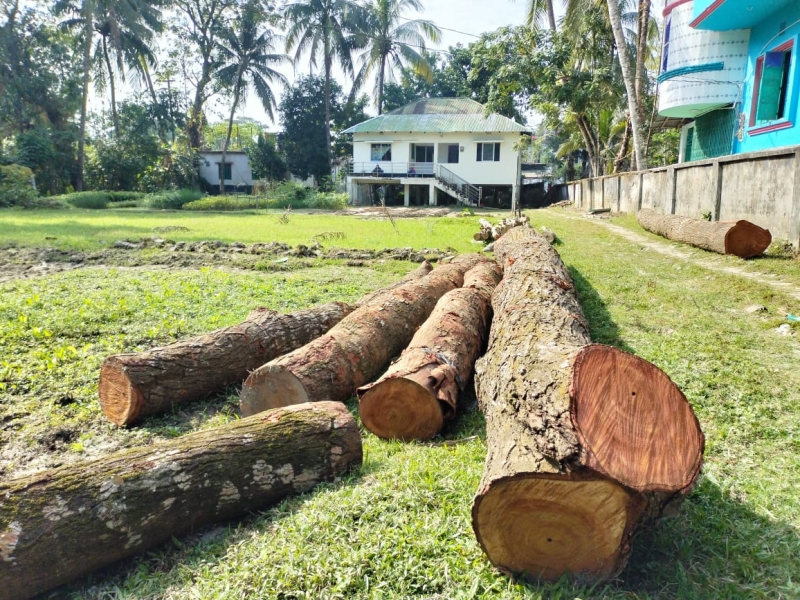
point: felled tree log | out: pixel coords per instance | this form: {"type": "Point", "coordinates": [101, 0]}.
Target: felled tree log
{"type": "Point", "coordinates": [133, 386]}
{"type": "Point", "coordinates": [423, 269]}
{"type": "Point", "coordinates": [420, 391]}
{"type": "Point", "coordinates": [354, 351]}
{"type": "Point", "coordinates": [61, 524]}
{"type": "Point", "coordinates": [740, 238]}
{"type": "Point", "coordinates": [586, 443]}
{"type": "Point", "coordinates": [489, 232]}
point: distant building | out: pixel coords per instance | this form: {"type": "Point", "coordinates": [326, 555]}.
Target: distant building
{"type": "Point", "coordinates": [237, 172]}
{"type": "Point", "coordinates": [731, 69]}
{"type": "Point", "coordinates": [436, 151]}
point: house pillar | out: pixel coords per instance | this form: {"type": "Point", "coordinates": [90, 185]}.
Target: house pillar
{"type": "Point", "coordinates": [432, 198]}
{"type": "Point", "coordinates": [406, 195]}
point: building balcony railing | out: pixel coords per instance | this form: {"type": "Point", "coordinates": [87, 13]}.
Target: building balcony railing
{"type": "Point", "coordinates": [390, 170]}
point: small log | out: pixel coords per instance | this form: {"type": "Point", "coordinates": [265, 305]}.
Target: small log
{"type": "Point", "coordinates": [133, 386]}
{"type": "Point", "coordinates": [61, 524]}
{"type": "Point", "coordinates": [740, 238]}
{"type": "Point", "coordinates": [586, 443]}
{"type": "Point", "coordinates": [419, 392]}
{"type": "Point", "coordinates": [334, 365]}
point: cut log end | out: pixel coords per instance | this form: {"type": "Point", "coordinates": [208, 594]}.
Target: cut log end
{"type": "Point", "coordinates": [269, 388]}
{"type": "Point", "coordinates": [120, 399]}
{"type": "Point", "coordinates": [401, 409]}
{"type": "Point", "coordinates": [747, 240]}
{"type": "Point", "coordinates": [544, 527]}
{"type": "Point", "coordinates": [639, 426]}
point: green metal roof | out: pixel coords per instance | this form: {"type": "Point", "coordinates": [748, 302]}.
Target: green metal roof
{"type": "Point", "coordinates": [439, 115]}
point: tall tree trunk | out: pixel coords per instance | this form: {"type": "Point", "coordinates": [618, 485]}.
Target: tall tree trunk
{"type": "Point", "coordinates": [641, 67]}
{"type": "Point", "coordinates": [88, 31]}
{"type": "Point", "coordinates": [64, 523]}
{"type": "Point", "coordinates": [236, 91]}
{"type": "Point", "coordinates": [328, 64]}
{"type": "Point", "coordinates": [380, 84]}
{"type": "Point", "coordinates": [153, 96]}
{"type": "Point", "coordinates": [589, 140]}
{"type": "Point", "coordinates": [551, 15]}
{"type": "Point", "coordinates": [629, 77]}
{"type": "Point", "coordinates": [623, 148]}
{"type": "Point", "coordinates": [112, 86]}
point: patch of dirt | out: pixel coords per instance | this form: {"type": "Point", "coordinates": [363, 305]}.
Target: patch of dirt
{"type": "Point", "coordinates": [24, 263]}
{"type": "Point", "coordinates": [396, 212]}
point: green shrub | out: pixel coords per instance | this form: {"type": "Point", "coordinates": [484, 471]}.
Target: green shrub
{"type": "Point", "coordinates": [87, 199]}
{"type": "Point", "coordinates": [327, 200]}
{"type": "Point", "coordinates": [125, 196]}
{"type": "Point", "coordinates": [126, 204]}
{"type": "Point", "coordinates": [173, 199]}
{"type": "Point", "coordinates": [227, 203]}
{"type": "Point", "coordinates": [16, 185]}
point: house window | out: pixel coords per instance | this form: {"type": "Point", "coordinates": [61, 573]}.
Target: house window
{"type": "Point", "coordinates": [422, 153]}
{"type": "Point", "coordinates": [489, 152]}
{"type": "Point", "coordinates": [771, 86]}
{"type": "Point", "coordinates": [452, 153]}
{"type": "Point", "coordinates": [665, 52]}
{"type": "Point", "coordinates": [381, 152]}
{"type": "Point", "coordinates": [228, 167]}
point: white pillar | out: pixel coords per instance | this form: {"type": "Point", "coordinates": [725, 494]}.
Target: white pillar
{"type": "Point", "coordinates": [406, 195]}
{"type": "Point", "coordinates": [432, 199]}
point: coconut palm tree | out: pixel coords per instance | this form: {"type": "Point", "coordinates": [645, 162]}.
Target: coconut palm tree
{"type": "Point", "coordinates": [247, 60]}
{"type": "Point", "coordinates": [391, 41]}
{"type": "Point", "coordinates": [323, 28]}
{"type": "Point", "coordinates": [537, 10]}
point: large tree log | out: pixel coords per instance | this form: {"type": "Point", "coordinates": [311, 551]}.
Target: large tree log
{"type": "Point", "coordinates": [740, 238]}
{"type": "Point", "coordinates": [133, 386]}
{"type": "Point", "coordinates": [420, 391]}
{"type": "Point", "coordinates": [64, 523]}
{"type": "Point", "coordinates": [334, 365]}
{"type": "Point", "coordinates": [586, 443]}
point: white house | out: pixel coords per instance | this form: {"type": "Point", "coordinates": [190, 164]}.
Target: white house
{"type": "Point", "coordinates": [238, 174]}
{"type": "Point", "coordinates": [436, 151]}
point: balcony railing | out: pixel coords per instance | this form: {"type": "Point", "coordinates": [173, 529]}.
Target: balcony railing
{"type": "Point", "coordinates": [384, 170]}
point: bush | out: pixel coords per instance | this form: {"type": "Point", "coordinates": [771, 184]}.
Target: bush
{"type": "Point", "coordinates": [125, 196]}
{"type": "Point", "coordinates": [227, 203]}
{"type": "Point", "coordinates": [16, 185]}
{"type": "Point", "coordinates": [327, 200]}
{"type": "Point", "coordinates": [88, 199]}
{"type": "Point", "coordinates": [174, 199]}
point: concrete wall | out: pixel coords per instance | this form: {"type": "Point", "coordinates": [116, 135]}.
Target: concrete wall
{"type": "Point", "coordinates": [241, 174]}
{"type": "Point", "coordinates": [761, 187]}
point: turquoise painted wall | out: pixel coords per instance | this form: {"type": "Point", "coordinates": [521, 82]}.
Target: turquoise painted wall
{"type": "Point", "coordinates": [764, 37]}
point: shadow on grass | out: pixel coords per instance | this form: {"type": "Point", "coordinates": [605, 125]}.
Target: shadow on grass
{"type": "Point", "coordinates": [602, 328]}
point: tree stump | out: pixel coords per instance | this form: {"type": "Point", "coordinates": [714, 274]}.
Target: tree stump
{"type": "Point", "coordinates": [133, 386]}
{"type": "Point", "coordinates": [586, 443]}
{"type": "Point", "coordinates": [61, 524]}
{"type": "Point", "coordinates": [740, 238]}
{"type": "Point", "coordinates": [334, 365]}
{"type": "Point", "coordinates": [419, 392]}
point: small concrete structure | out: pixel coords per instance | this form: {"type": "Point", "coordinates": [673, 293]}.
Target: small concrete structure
{"type": "Point", "coordinates": [238, 174]}
{"type": "Point", "coordinates": [437, 149]}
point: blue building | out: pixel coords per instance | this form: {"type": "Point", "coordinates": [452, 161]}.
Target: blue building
{"type": "Point", "coordinates": [732, 68]}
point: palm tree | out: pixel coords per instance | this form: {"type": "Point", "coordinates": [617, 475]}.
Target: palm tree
{"type": "Point", "coordinates": [537, 9]}
{"type": "Point", "coordinates": [323, 27]}
{"type": "Point", "coordinates": [246, 58]}
{"type": "Point", "coordinates": [390, 40]}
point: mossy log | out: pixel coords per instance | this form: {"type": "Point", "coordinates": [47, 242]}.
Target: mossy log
{"type": "Point", "coordinates": [420, 391]}
{"type": "Point", "coordinates": [586, 443]}
{"type": "Point", "coordinates": [740, 238]}
{"type": "Point", "coordinates": [61, 524]}
{"type": "Point", "coordinates": [353, 352]}
{"type": "Point", "coordinates": [133, 386]}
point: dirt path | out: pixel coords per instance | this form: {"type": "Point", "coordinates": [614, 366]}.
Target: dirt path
{"type": "Point", "coordinates": [673, 251]}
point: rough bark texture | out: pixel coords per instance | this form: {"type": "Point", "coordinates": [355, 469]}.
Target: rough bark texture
{"type": "Point", "coordinates": [740, 238]}
{"type": "Point", "coordinates": [64, 523]}
{"type": "Point", "coordinates": [420, 391]}
{"type": "Point", "coordinates": [489, 232]}
{"type": "Point", "coordinates": [133, 386]}
{"type": "Point", "coordinates": [586, 443]}
{"type": "Point", "coordinates": [423, 269]}
{"type": "Point", "coordinates": [334, 365]}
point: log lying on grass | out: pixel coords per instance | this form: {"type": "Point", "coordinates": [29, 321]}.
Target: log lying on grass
{"type": "Point", "coordinates": [133, 386]}
{"type": "Point", "coordinates": [586, 443]}
{"type": "Point", "coordinates": [420, 391]}
{"type": "Point", "coordinates": [740, 238]}
{"type": "Point", "coordinates": [354, 351]}
{"type": "Point", "coordinates": [489, 232]}
{"type": "Point", "coordinates": [64, 523]}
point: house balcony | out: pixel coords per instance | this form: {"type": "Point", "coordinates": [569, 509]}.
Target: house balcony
{"type": "Point", "coordinates": [390, 170]}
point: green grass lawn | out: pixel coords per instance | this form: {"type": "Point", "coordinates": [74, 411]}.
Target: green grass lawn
{"type": "Point", "coordinates": [399, 527]}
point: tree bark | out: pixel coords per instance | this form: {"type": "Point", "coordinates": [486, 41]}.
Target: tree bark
{"type": "Point", "coordinates": [87, 11]}
{"type": "Point", "coordinates": [586, 443]}
{"type": "Point", "coordinates": [629, 77]}
{"type": "Point", "coordinates": [740, 238]}
{"type": "Point", "coordinates": [352, 353]}
{"type": "Point", "coordinates": [64, 523]}
{"type": "Point", "coordinates": [133, 386]}
{"type": "Point", "coordinates": [420, 391]}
